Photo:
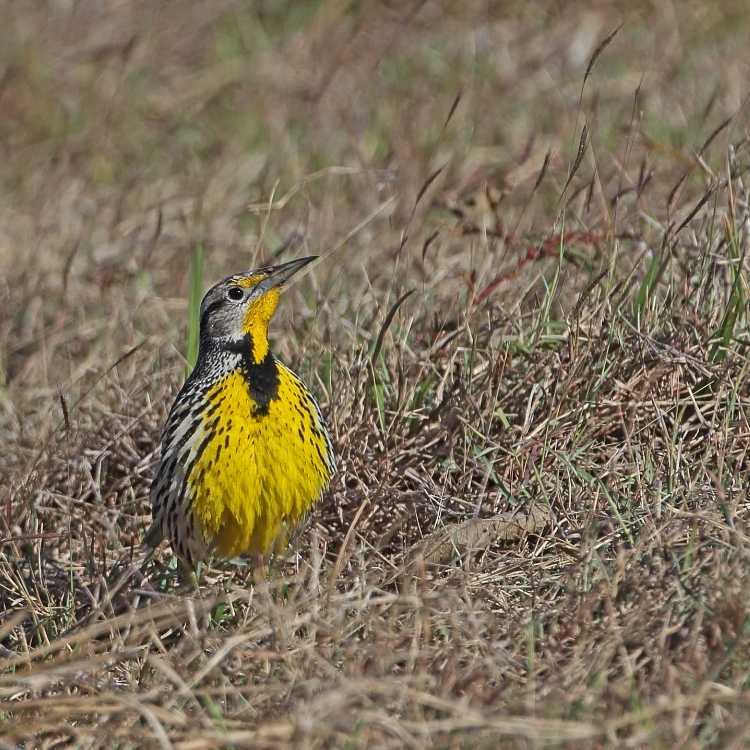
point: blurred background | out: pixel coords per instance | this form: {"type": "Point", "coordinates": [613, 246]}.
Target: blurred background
{"type": "Point", "coordinates": [133, 132]}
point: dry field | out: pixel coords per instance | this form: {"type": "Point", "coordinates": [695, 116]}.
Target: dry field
{"type": "Point", "coordinates": [528, 330]}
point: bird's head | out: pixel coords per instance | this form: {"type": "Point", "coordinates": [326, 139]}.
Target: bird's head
{"type": "Point", "coordinates": [236, 311]}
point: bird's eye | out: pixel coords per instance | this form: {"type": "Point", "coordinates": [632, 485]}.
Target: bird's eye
{"type": "Point", "coordinates": [235, 293]}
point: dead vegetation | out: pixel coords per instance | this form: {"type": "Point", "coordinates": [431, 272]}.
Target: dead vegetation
{"type": "Point", "coordinates": [530, 340]}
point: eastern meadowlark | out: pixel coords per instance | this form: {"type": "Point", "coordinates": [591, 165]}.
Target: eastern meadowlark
{"type": "Point", "coordinates": [245, 452]}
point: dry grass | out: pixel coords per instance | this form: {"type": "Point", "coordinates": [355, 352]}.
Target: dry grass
{"type": "Point", "coordinates": [539, 531]}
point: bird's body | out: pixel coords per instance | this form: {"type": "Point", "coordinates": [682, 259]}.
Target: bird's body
{"type": "Point", "coordinates": [245, 451]}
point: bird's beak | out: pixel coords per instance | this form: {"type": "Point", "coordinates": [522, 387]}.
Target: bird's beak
{"type": "Point", "coordinates": [279, 275]}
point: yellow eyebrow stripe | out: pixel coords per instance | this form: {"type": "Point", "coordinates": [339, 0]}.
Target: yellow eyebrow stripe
{"type": "Point", "coordinates": [247, 281]}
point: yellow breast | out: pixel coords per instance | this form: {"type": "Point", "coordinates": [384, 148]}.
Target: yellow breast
{"type": "Point", "coordinates": [262, 467]}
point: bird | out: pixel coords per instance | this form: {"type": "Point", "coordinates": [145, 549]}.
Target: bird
{"type": "Point", "coordinates": [245, 451]}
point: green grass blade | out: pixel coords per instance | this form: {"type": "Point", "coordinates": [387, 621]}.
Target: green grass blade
{"type": "Point", "coordinates": [736, 304]}
{"type": "Point", "coordinates": [194, 304]}
{"type": "Point", "coordinates": [648, 284]}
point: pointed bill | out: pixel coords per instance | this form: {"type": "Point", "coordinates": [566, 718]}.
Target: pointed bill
{"type": "Point", "coordinates": [279, 275]}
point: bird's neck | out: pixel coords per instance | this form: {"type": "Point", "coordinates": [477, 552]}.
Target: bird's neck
{"type": "Point", "coordinates": [260, 374]}
{"type": "Point", "coordinates": [256, 338]}
{"type": "Point", "coordinates": [252, 347]}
